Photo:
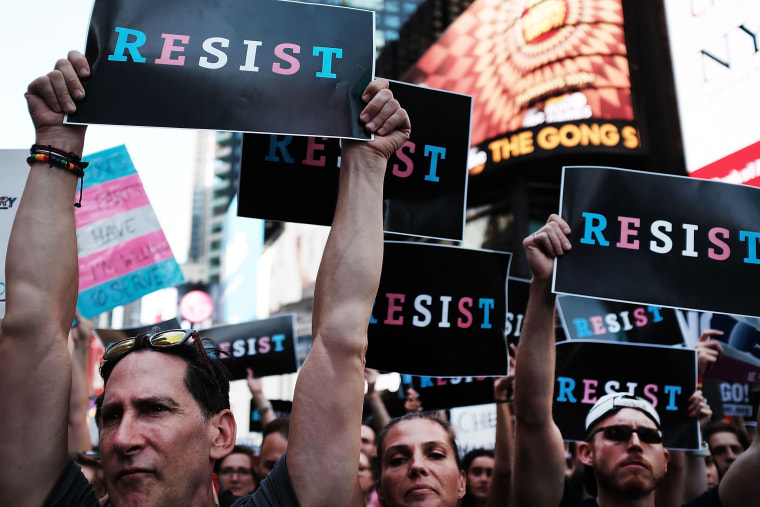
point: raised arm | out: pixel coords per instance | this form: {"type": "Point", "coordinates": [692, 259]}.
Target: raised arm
{"type": "Point", "coordinates": [324, 442]}
{"type": "Point", "coordinates": [41, 293]}
{"type": "Point", "coordinates": [80, 337]}
{"type": "Point", "coordinates": [539, 466]}
{"type": "Point", "coordinates": [500, 489]}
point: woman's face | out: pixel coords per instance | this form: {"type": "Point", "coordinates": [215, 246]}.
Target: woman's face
{"type": "Point", "coordinates": [479, 476]}
{"type": "Point", "coordinates": [419, 467]}
{"type": "Point", "coordinates": [366, 481]}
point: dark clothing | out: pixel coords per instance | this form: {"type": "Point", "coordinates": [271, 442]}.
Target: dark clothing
{"type": "Point", "coordinates": [73, 490]}
{"type": "Point", "coordinates": [571, 498]}
{"type": "Point", "coordinates": [275, 491]}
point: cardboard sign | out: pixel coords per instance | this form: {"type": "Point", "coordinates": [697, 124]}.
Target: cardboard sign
{"type": "Point", "coordinates": [263, 66]}
{"type": "Point", "coordinates": [440, 311]}
{"type": "Point", "coordinates": [123, 252]}
{"type": "Point", "coordinates": [13, 173]}
{"type": "Point", "coordinates": [295, 179]}
{"type": "Point", "coordinates": [443, 393]}
{"type": "Point", "coordinates": [475, 427]}
{"type": "Point", "coordinates": [660, 240]}
{"type": "Point", "coordinates": [599, 319]}
{"type": "Point", "coordinates": [267, 346]}
{"type": "Point", "coordinates": [664, 376]}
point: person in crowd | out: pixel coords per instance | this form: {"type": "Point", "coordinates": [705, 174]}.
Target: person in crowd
{"type": "Point", "coordinates": [261, 403]}
{"type": "Point", "coordinates": [419, 463]}
{"type": "Point", "coordinates": [165, 417]}
{"type": "Point", "coordinates": [368, 437]}
{"type": "Point", "coordinates": [711, 470]}
{"type": "Point", "coordinates": [478, 466]}
{"type": "Point", "coordinates": [727, 443]}
{"type": "Point", "coordinates": [274, 443]}
{"type": "Point", "coordinates": [367, 480]}
{"type": "Point", "coordinates": [623, 446]}
{"type": "Point", "coordinates": [235, 471]}
{"type": "Point", "coordinates": [80, 335]}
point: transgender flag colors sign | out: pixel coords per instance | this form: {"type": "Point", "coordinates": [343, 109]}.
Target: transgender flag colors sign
{"type": "Point", "coordinates": [123, 253]}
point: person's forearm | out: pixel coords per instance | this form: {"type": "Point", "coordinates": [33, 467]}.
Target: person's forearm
{"type": "Point", "coordinates": [380, 416]}
{"type": "Point", "coordinates": [536, 357]}
{"type": "Point", "coordinates": [500, 489]}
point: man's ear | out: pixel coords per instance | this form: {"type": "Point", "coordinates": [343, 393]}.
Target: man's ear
{"type": "Point", "coordinates": [223, 433]}
{"type": "Point", "coordinates": [585, 453]}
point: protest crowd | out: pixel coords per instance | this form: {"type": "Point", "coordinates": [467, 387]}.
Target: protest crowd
{"type": "Point", "coordinates": [167, 435]}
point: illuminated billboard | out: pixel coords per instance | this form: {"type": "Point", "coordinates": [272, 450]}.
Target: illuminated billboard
{"type": "Point", "coordinates": [545, 75]}
{"type": "Point", "coordinates": [716, 68]}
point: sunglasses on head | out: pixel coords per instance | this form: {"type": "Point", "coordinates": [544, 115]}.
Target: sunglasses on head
{"type": "Point", "coordinates": [622, 433]}
{"type": "Point", "coordinates": [162, 340]}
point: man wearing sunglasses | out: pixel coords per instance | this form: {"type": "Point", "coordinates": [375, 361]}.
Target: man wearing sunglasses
{"type": "Point", "coordinates": [165, 414]}
{"type": "Point", "coordinates": [624, 443]}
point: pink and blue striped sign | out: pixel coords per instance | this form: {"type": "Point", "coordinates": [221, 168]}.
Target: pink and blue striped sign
{"type": "Point", "coordinates": [123, 252]}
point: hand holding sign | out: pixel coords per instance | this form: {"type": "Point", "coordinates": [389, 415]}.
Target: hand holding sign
{"type": "Point", "coordinates": [543, 246]}
{"type": "Point", "coordinates": [708, 351]}
{"type": "Point", "coordinates": [51, 96]}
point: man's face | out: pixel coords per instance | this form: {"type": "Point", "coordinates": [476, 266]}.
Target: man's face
{"type": "Point", "coordinates": [368, 441]}
{"type": "Point", "coordinates": [725, 448]}
{"type": "Point", "coordinates": [479, 476]}
{"type": "Point", "coordinates": [418, 466]}
{"type": "Point", "coordinates": [631, 469]}
{"type": "Point", "coordinates": [236, 474]}
{"type": "Point", "coordinates": [155, 443]}
{"type": "Point", "coordinates": [273, 446]}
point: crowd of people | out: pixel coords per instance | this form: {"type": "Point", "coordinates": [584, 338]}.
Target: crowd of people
{"type": "Point", "coordinates": [166, 432]}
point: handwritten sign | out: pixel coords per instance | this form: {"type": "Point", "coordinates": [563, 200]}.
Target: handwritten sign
{"type": "Point", "coordinates": [123, 253]}
{"type": "Point", "coordinates": [263, 66]}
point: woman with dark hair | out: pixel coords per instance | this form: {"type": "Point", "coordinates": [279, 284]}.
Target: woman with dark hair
{"type": "Point", "coordinates": [419, 462]}
{"type": "Point", "coordinates": [478, 466]}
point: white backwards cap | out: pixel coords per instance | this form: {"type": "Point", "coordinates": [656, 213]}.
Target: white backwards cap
{"type": "Point", "coordinates": [611, 403]}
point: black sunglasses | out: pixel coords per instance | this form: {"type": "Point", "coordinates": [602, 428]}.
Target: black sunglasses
{"type": "Point", "coordinates": [622, 433]}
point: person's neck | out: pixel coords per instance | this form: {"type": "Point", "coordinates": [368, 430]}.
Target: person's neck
{"type": "Point", "coordinates": [609, 499]}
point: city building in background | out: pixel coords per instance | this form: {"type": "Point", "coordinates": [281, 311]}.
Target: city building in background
{"type": "Point", "coordinates": [390, 16]}
{"type": "Point", "coordinates": [716, 67]}
{"type": "Point", "coordinates": [554, 82]}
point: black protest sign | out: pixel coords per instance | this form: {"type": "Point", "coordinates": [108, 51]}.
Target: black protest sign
{"type": "Point", "coordinates": [740, 360]}
{"type": "Point", "coordinates": [109, 336]}
{"type": "Point", "coordinates": [443, 393]}
{"type": "Point", "coordinates": [295, 179]}
{"type": "Point", "coordinates": [263, 66]}
{"type": "Point", "coordinates": [660, 240]}
{"type": "Point", "coordinates": [440, 311]}
{"type": "Point", "coordinates": [600, 319]}
{"type": "Point", "coordinates": [267, 346]}
{"type": "Point", "coordinates": [664, 376]}
{"type": "Point", "coordinates": [517, 295]}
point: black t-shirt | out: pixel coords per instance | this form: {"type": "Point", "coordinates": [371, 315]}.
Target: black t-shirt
{"type": "Point", "coordinates": [274, 491]}
{"type": "Point", "coordinates": [73, 490]}
{"type": "Point", "coordinates": [571, 498]}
